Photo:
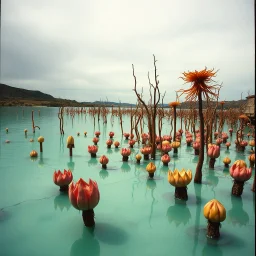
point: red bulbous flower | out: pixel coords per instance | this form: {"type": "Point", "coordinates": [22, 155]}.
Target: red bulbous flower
{"type": "Point", "coordinates": [213, 151]}
{"type": "Point", "coordinates": [103, 160]}
{"type": "Point", "coordinates": [146, 150]}
{"type": "Point", "coordinates": [218, 141]}
{"type": "Point", "coordinates": [109, 142]}
{"type": "Point", "coordinates": [228, 144]}
{"type": "Point", "coordinates": [111, 134]}
{"type": "Point", "coordinates": [189, 139]}
{"type": "Point", "coordinates": [167, 137]}
{"type": "Point", "coordinates": [92, 149]}
{"type": "Point", "coordinates": [95, 140]}
{"type": "Point", "coordinates": [116, 144]}
{"type": "Point", "coordinates": [62, 179]}
{"type": "Point", "coordinates": [243, 143]}
{"type": "Point", "coordinates": [125, 151]}
{"type": "Point", "coordinates": [166, 148]}
{"type": "Point", "coordinates": [158, 139]}
{"type": "Point", "coordinates": [189, 135]}
{"type": "Point", "coordinates": [178, 134]}
{"type": "Point", "coordinates": [126, 135]}
{"type": "Point", "coordinates": [84, 196]}
{"type": "Point", "coordinates": [196, 145]}
{"type": "Point", "coordinates": [165, 159]}
{"type": "Point", "coordinates": [224, 136]}
{"type": "Point", "coordinates": [131, 142]}
{"type": "Point", "coordinates": [97, 133]}
{"type": "Point", "coordinates": [145, 136]}
{"type": "Point", "coordinates": [239, 171]}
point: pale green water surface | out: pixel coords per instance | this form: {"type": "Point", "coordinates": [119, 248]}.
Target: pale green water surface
{"type": "Point", "coordinates": [135, 216]}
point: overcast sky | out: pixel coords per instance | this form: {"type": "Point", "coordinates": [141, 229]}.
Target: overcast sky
{"type": "Point", "coordinates": [84, 49]}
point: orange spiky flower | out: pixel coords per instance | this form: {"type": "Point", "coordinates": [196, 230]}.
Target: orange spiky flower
{"type": "Point", "coordinates": [200, 87]}
{"type": "Point", "coordinates": [174, 104]}
{"type": "Point", "coordinates": [243, 117]}
{"type": "Point", "coordinates": [200, 83]}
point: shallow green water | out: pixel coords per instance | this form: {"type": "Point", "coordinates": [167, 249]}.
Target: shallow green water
{"type": "Point", "coordinates": [135, 216]}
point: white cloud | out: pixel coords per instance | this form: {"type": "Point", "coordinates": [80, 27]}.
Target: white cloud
{"type": "Point", "coordinates": [65, 47]}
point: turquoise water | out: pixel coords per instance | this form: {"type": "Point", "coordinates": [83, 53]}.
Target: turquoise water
{"type": "Point", "coordinates": [135, 216]}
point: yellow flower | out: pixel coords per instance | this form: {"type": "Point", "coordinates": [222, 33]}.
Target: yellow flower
{"type": "Point", "coordinates": [175, 144]}
{"type": "Point", "coordinates": [165, 142]}
{"type": "Point", "coordinates": [240, 163]}
{"type": "Point", "coordinates": [151, 168]}
{"type": "Point", "coordinates": [40, 139]}
{"type": "Point", "coordinates": [226, 160]}
{"type": "Point", "coordinates": [251, 157]}
{"type": "Point", "coordinates": [138, 157]}
{"type": "Point", "coordinates": [252, 143]}
{"type": "Point", "coordinates": [179, 178]}
{"type": "Point", "coordinates": [70, 142]}
{"type": "Point", "coordinates": [214, 211]}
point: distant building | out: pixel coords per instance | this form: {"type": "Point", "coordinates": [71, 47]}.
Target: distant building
{"type": "Point", "coordinates": [249, 109]}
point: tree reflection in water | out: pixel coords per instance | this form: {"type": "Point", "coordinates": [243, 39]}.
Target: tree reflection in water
{"type": "Point", "coordinates": [151, 185]}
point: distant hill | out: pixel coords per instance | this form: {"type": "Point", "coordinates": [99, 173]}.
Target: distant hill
{"type": "Point", "coordinates": [12, 96]}
{"type": "Point", "coordinates": [9, 92]}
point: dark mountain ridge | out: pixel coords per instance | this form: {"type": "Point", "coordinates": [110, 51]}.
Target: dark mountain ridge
{"type": "Point", "coordinates": [12, 96]}
{"type": "Point", "coordinates": [7, 92]}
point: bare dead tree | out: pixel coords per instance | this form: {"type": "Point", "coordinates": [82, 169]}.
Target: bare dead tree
{"type": "Point", "coordinates": [33, 123]}
{"type": "Point", "coordinates": [151, 108]}
{"type": "Point", "coordinates": [60, 116]}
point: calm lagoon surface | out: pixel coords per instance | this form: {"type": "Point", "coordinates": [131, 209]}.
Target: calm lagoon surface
{"type": "Point", "coordinates": [135, 215]}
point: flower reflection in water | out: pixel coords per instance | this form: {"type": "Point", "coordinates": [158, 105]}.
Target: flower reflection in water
{"type": "Point", "coordinates": [41, 160]}
{"type": "Point", "coordinates": [71, 164]}
{"type": "Point", "coordinates": [109, 151]}
{"type": "Point", "coordinates": [178, 213]}
{"type": "Point", "coordinates": [62, 202]}
{"type": "Point", "coordinates": [93, 161]}
{"type": "Point", "coordinates": [237, 215]}
{"type": "Point", "coordinates": [103, 173]}
{"type": "Point", "coordinates": [164, 170]}
{"type": "Point", "coordinates": [226, 171]}
{"type": "Point", "coordinates": [86, 245]}
{"type": "Point", "coordinates": [125, 167]}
